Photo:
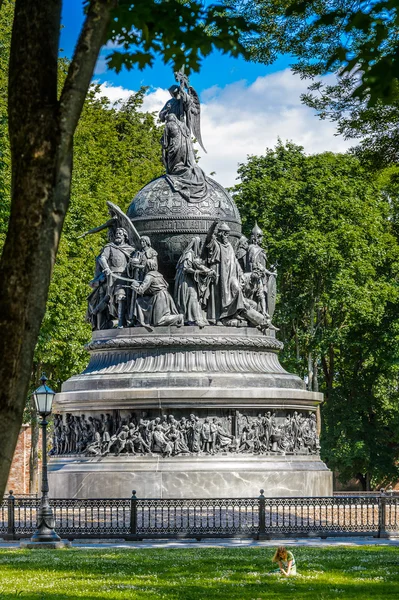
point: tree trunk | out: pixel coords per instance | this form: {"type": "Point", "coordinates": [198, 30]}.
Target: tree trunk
{"type": "Point", "coordinates": [41, 135]}
{"type": "Point", "coordinates": [328, 370]}
{"type": "Point", "coordinates": [32, 238]}
{"type": "Point", "coordinates": [310, 371]}
{"type": "Point", "coordinates": [310, 355]}
{"type": "Point", "coordinates": [365, 481]}
{"type": "Point", "coordinates": [318, 420]}
{"type": "Point", "coordinates": [315, 376]}
{"type": "Point", "coordinates": [297, 348]}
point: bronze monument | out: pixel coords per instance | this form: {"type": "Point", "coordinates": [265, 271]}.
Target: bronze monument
{"type": "Point", "coordinates": [184, 395]}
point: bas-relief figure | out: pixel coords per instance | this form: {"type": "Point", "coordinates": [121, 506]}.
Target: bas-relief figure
{"type": "Point", "coordinates": [168, 436]}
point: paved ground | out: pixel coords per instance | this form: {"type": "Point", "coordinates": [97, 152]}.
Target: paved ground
{"type": "Point", "coordinates": [225, 543]}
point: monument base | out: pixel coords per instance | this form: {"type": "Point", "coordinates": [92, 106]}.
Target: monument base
{"type": "Point", "coordinates": [221, 476]}
{"type": "Point", "coordinates": [45, 545]}
{"type": "Point", "coordinates": [186, 413]}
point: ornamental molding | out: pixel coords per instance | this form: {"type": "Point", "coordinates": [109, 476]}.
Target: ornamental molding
{"type": "Point", "coordinates": [211, 218]}
{"type": "Point", "coordinates": [180, 231]}
{"type": "Point", "coordinates": [204, 342]}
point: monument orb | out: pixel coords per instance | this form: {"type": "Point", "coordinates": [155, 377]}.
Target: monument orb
{"type": "Point", "coordinates": [184, 395]}
{"type": "Point", "coordinates": [171, 219]}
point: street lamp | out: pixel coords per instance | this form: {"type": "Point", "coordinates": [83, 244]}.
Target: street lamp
{"type": "Point", "coordinates": [43, 398]}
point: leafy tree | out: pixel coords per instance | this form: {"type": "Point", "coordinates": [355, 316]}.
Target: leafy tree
{"type": "Point", "coordinates": [324, 36]}
{"type": "Point", "coordinates": [42, 121]}
{"type": "Point", "coordinates": [356, 40]}
{"type": "Point", "coordinates": [329, 223]}
{"type": "Point", "coordinates": [377, 126]}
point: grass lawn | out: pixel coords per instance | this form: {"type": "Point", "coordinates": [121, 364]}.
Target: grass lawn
{"type": "Point", "coordinates": [194, 574]}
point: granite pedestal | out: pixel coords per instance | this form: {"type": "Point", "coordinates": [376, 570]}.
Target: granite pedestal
{"type": "Point", "coordinates": [231, 374]}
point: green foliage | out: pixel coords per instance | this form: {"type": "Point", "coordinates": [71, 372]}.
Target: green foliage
{"type": "Point", "coordinates": [375, 126]}
{"type": "Point", "coordinates": [324, 36]}
{"type": "Point", "coordinates": [332, 227]}
{"type": "Point", "coordinates": [198, 573]}
{"type": "Point", "coordinates": [181, 32]}
{"type": "Point", "coordinates": [356, 40]}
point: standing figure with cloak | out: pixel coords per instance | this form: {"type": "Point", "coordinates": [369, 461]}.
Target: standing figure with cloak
{"type": "Point", "coordinates": [242, 252]}
{"type": "Point", "coordinates": [191, 284]}
{"type": "Point", "coordinates": [181, 115]}
{"type": "Point", "coordinates": [139, 264]}
{"type": "Point", "coordinates": [225, 296]}
{"type": "Point", "coordinates": [154, 305]}
{"type": "Point", "coordinates": [257, 256]}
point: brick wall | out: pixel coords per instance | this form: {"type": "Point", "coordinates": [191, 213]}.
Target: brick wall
{"type": "Point", "coordinates": [18, 480]}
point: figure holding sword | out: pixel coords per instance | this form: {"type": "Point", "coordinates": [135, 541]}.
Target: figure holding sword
{"type": "Point", "coordinates": [121, 262]}
{"type": "Point", "coordinates": [115, 261]}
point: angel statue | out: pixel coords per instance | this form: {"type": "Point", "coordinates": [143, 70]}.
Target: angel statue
{"type": "Point", "coordinates": [181, 115]}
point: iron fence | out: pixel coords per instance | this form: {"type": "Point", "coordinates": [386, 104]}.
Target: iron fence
{"type": "Point", "coordinates": [260, 518]}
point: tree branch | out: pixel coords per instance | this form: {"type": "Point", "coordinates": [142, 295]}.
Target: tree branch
{"type": "Point", "coordinates": [81, 70]}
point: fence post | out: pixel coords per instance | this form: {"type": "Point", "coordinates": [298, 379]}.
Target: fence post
{"type": "Point", "coordinates": [133, 513]}
{"type": "Point", "coordinates": [262, 519]}
{"type": "Point", "coordinates": [382, 532]}
{"type": "Point", "coordinates": [11, 516]}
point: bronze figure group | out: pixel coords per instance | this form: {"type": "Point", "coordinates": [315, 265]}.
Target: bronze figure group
{"type": "Point", "coordinates": [214, 284]}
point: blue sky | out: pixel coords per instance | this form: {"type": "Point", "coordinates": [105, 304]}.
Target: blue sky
{"type": "Point", "coordinates": [245, 107]}
{"type": "Point", "coordinates": [216, 69]}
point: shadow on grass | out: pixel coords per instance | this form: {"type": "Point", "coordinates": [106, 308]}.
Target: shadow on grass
{"type": "Point", "coordinates": [321, 591]}
{"type": "Point", "coordinates": [197, 574]}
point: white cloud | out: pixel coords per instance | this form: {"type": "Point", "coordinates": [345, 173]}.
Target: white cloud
{"type": "Point", "coordinates": [241, 119]}
{"type": "Point", "coordinates": [115, 93]}
{"type": "Point", "coordinates": [155, 100]}
{"type": "Point", "coordinates": [101, 64]}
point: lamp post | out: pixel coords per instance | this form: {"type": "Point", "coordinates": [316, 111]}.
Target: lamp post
{"type": "Point", "coordinates": [43, 398]}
